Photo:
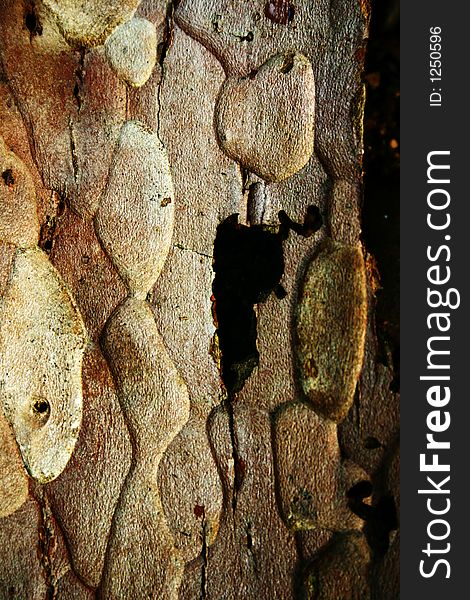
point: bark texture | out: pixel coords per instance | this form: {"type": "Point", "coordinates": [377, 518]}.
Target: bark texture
{"type": "Point", "coordinates": [192, 404]}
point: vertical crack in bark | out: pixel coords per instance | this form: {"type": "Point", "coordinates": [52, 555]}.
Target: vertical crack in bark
{"type": "Point", "coordinates": [48, 228]}
{"type": "Point", "coordinates": [162, 53]}
{"type": "Point", "coordinates": [79, 79]}
{"type": "Point", "coordinates": [46, 542]}
{"type": "Point", "coordinates": [239, 466]}
{"type": "Point", "coordinates": [73, 152]}
{"type": "Point", "coordinates": [250, 547]}
{"type": "Point", "coordinates": [79, 98]}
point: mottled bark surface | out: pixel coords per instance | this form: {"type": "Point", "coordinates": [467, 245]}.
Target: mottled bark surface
{"type": "Point", "coordinates": [193, 404]}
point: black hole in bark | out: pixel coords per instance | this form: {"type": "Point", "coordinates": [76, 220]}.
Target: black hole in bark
{"type": "Point", "coordinates": [41, 407]}
{"type": "Point", "coordinates": [361, 490]}
{"type": "Point", "coordinates": [312, 222]}
{"type": "Point", "coordinates": [61, 207]}
{"type": "Point", "coordinates": [380, 518]}
{"type": "Point", "coordinates": [248, 266]}
{"type": "Point", "coordinates": [249, 37]}
{"type": "Point", "coordinates": [371, 443]}
{"type": "Point", "coordinates": [32, 22]}
{"type": "Point", "coordinates": [249, 537]}
{"type": "Point", "coordinates": [280, 292]}
{"type": "Point", "coordinates": [8, 178]}
{"type": "Point", "coordinates": [160, 51]}
{"type": "Point", "coordinates": [379, 525]}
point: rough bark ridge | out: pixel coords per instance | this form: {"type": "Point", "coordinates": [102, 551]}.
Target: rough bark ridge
{"type": "Point", "coordinates": [168, 431]}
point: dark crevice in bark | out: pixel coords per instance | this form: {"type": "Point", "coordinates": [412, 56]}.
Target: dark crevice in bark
{"type": "Point", "coordinates": [165, 45]}
{"type": "Point", "coordinates": [372, 443]}
{"type": "Point", "coordinates": [239, 465]}
{"type": "Point", "coordinates": [79, 98]}
{"type": "Point", "coordinates": [251, 547]}
{"type": "Point", "coordinates": [248, 37]}
{"type": "Point", "coordinates": [380, 517]}
{"type": "Point", "coordinates": [181, 247]}
{"type": "Point", "coordinates": [31, 21]}
{"type": "Point", "coordinates": [312, 222]}
{"type": "Point", "coordinates": [297, 575]}
{"type": "Point", "coordinates": [244, 176]}
{"type": "Point", "coordinates": [8, 178]}
{"type": "Point", "coordinates": [162, 52]}
{"type": "Point", "coordinates": [46, 542]}
{"type": "Point", "coordinates": [248, 266]}
{"type": "Point", "coordinates": [73, 152]}
{"type": "Point", "coordinates": [79, 80]}
{"type": "Point", "coordinates": [47, 233]}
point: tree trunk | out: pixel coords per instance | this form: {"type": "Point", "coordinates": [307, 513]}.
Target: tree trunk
{"type": "Point", "coordinates": [193, 400]}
